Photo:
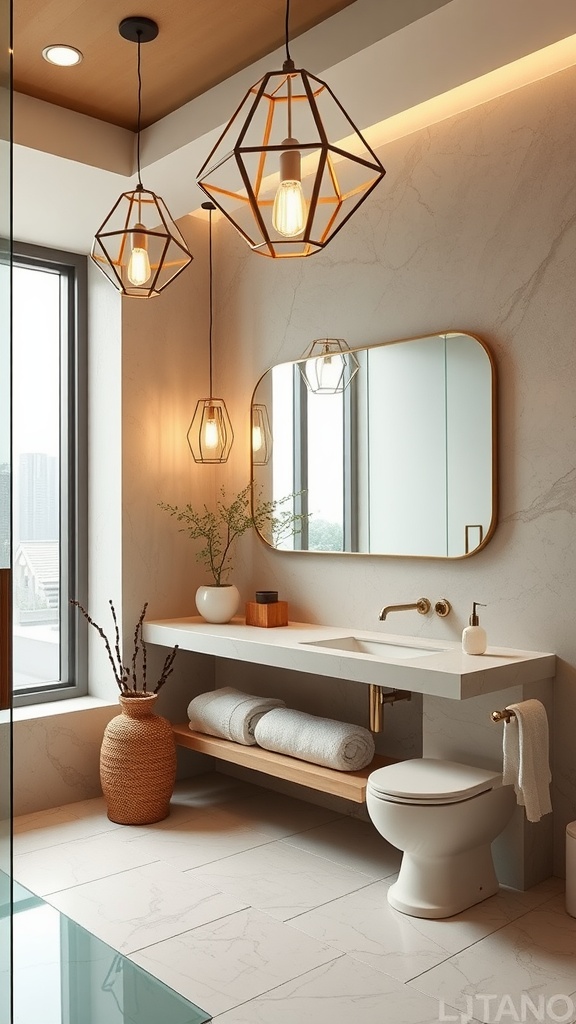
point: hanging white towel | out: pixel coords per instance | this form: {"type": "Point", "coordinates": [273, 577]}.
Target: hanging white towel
{"type": "Point", "coordinates": [319, 740]}
{"type": "Point", "coordinates": [229, 713]}
{"type": "Point", "coordinates": [526, 765]}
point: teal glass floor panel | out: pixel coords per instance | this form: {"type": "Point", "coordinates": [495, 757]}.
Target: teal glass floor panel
{"type": "Point", "coordinates": [65, 975]}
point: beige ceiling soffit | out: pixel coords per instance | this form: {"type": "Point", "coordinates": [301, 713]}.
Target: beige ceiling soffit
{"type": "Point", "coordinates": [78, 197]}
{"type": "Point", "coordinates": [72, 136]}
{"type": "Point", "coordinates": [457, 44]}
{"type": "Point", "coordinates": [532, 68]}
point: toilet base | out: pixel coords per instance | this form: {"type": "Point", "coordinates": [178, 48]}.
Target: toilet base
{"type": "Point", "coordinates": [429, 887]}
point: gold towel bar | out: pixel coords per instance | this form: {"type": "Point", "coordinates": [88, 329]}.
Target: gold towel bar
{"type": "Point", "coordinates": [503, 716]}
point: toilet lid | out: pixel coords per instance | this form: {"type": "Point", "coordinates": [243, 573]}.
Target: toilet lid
{"type": "Point", "coordinates": [427, 780]}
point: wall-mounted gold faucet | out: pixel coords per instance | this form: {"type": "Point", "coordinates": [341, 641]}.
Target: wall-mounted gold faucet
{"type": "Point", "coordinates": [422, 606]}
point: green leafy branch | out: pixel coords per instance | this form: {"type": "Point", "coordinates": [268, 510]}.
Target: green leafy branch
{"type": "Point", "coordinates": [218, 528]}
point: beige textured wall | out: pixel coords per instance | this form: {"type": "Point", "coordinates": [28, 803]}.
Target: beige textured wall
{"type": "Point", "coordinates": [164, 373]}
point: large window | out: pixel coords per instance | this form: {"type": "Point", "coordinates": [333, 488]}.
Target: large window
{"type": "Point", "coordinates": [48, 472]}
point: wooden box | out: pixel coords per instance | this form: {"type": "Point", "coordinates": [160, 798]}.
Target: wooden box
{"type": "Point", "coordinates": [275, 614]}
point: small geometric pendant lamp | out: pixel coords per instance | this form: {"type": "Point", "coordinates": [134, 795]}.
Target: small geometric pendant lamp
{"type": "Point", "coordinates": [329, 366]}
{"type": "Point", "coordinates": [261, 435]}
{"type": "Point", "coordinates": [275, 174]}
{"type": "Point", "coordinates": [210, 435]}
{"type": "Point", "coordinates": [138, 247]}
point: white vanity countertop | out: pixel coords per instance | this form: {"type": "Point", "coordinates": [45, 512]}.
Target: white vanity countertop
{"type": "Point", "coordinates": [443, 672]}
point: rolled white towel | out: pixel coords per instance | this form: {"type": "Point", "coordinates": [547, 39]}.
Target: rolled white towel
{"type": "Point", "coordinates": [229, 713]}
{"type": "Point", "coordinates": [319, 740]}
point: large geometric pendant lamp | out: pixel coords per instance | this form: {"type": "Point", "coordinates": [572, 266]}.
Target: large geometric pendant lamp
{"type": "Point", "coordinates": [291, 166]}
{"type": "Point", "coordinates": [210, 435]}
{"type": "Point", "coordinates": [138, 247]}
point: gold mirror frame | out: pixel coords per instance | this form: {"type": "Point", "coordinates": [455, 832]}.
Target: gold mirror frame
{"type": "Point", "coordinates": [274, 480]}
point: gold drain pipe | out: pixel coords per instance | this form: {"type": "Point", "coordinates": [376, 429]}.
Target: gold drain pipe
{"type": "Point", "coordinates": [377, 699]}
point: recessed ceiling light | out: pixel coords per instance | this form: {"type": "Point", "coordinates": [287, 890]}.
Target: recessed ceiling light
{"type": "Point", "coordinates": [62, 55]}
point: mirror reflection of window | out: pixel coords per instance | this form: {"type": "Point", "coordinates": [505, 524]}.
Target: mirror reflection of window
{"type": "Point", "coordinates": [277, 478]}
{"type": "Point", "coordinates": [325, 484]}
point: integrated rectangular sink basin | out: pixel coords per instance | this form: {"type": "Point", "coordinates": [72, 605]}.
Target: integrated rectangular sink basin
{"type": "Point", "coordinates": [384, 650]}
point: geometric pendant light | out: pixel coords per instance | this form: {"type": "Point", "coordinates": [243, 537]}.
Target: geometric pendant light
{"type": "Point", "coordinates": [290, 167]}
{"type": "Point", "coordinates": [210, 435]}
{"type": "Point", "coordinates": [261, 435]}
{"type": "Point", "coordinates": [329, 366]}
{"type": "Point", "coordinates": [138, 247]}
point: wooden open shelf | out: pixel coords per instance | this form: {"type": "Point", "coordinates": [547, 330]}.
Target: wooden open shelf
{"type": "Point", "coordinates": [350, 785]}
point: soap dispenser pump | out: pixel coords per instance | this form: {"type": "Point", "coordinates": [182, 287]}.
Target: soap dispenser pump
{"type": "Point", "coordinates": [474, 636]}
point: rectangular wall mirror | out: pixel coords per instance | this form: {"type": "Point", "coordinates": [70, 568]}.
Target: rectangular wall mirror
{"type": "Point", "coordinates": [400, 462]}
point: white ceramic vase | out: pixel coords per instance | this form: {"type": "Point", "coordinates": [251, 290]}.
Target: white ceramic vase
{"type": "Point", "coordinates": [218, 604]}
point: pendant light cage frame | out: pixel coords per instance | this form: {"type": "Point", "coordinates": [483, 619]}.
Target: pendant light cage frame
{"type": "Point", "coordinates": [140, 219]}
{"type": "Point", "coordinates": [124, 229]}
{"type": "Point", "coordinates": [294, 113]}
{"type": "Point", "coordinates": [261, 433]}
{"type": "Point", "coordinates": [210, 435]}
{"type": "Point", "coordinates": [332, 352]}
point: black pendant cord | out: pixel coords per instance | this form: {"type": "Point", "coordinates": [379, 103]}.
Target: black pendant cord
{"type": "Point", "coordinates": [139, 113]}
{"type": "Point", "coordinates": [286, 30]}
{"type": "Point", "coordinates": [211, 310]}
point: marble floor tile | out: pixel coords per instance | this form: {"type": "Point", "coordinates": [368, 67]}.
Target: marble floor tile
{"type": "Point", "coordinates": [340, 992]}
{"type": "Point", "coordinates": [534, 955]}
{"type": "Point", "coordinates": [137, 908]}
{"type": "Point", "coordinates": [42, 829]}
{"type": "Point", "coordinates": [68, 864]}
{"type": "Point", "coordinates": [364, 925]}
{"type": "Point", "coordinates": [207, 834]}
{"type": "Point", "coordinates": [225, 963]}
{"type": "Point", "coordinates": [351, 842]}
{"type": "Point", "coordinates": [281, 879]}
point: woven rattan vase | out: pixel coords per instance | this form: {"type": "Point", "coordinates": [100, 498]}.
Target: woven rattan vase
{"type": "Point", "coordinates": [138, 763]}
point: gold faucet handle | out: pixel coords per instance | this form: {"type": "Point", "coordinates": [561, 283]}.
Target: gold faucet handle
{"type": "Point", "coordinates": [443, 607]}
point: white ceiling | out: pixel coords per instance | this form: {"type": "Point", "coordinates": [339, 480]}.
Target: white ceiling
{"type": "Point", "coordinates": [69, 169]}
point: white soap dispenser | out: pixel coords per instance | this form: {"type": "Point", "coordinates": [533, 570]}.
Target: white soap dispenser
{"type": "Point", "coordinates": [474, 636]}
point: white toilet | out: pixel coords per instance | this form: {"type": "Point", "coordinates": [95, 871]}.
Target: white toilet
{"type": "Point", "coordinates": [444, 816]}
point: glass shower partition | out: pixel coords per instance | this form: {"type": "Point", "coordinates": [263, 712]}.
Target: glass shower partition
{"type": "Point", "coordinates": [5, 513]}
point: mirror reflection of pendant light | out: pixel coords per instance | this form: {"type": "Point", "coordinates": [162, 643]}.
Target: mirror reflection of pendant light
{"type": "Point", "coordinates": [275, 174]}
{"type": "Point", "coordinates": [210, 433]}
{"type": "Point", "coordinates": [329, 366]}
{"type": "Point", "coordinates": [261, 435]}
{"type": "Point", "coordinates": [138, 247]}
